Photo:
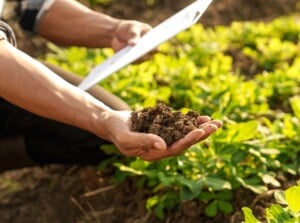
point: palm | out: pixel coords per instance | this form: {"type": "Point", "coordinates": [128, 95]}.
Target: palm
{"type": "Point", "coordinates": [149, 146]}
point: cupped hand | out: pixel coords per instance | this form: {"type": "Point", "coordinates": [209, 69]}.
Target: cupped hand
{"type": "Point", "coordinates": [152, 147]}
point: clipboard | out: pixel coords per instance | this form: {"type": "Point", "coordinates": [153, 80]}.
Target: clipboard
{"type": "Point", "coordinates": [180, 21]}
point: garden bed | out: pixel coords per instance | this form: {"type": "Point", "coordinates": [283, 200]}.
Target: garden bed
{"type": "Point", "coordinates": [72, 194]}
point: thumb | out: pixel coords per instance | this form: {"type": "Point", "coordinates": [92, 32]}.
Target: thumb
{"type": "Point", "coordinates": [134, 36]}
{"type": "Point", "coordinates": [148, 141]}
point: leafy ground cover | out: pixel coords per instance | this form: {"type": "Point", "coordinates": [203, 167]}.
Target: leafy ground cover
{"type": "Point", "coordinates": [259, 142]}
{"type": "Point", "coordinates": [247, 75]}
{"type": "Point", "coordinates": [287, 208]}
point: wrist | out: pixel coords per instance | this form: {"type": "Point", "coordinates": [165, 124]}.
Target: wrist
{"type": "Point", "coordinates": [104, 30]}
{"type": "Point", "coordinates": [99, 116]}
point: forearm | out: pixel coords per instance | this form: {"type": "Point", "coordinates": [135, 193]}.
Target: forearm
{"type": "Point", "coordinates": [68, 22]}
{"type": "Point", "coordinates": [30, 85]}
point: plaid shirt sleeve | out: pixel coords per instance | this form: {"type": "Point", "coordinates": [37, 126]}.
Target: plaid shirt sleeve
{"type": "Point", "coordinates": [27, 12]}
{"type": "Point", "coordinates": [6, 33]}
{"type": "Point", "coordinates": [31, 12]}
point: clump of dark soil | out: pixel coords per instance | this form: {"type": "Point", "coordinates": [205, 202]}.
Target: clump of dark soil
{"type": "Point", "coordinates": [164, 121]}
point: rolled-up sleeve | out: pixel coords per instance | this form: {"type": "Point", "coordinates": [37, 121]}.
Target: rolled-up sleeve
{"type": "Point", "coordinates": [31, 11]}
{"type": "Point", "coordinates": [6, 33]}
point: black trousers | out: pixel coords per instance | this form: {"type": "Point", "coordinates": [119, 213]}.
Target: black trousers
{"type": "Point", "coordinates": [44, 141]}
{"type": "Point", "coordinates": [48, 141]}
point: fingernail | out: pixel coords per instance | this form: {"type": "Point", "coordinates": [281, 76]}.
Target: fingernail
{"type": "Point", "coordinates": [213, 126]}
{"type": "Point", "coordinates": [159, 146]}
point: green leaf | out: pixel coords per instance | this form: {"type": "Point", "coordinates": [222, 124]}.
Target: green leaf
{"type": "Point", "coordinates": [256, 188]}
{"type": "Point", "coordinates": [269, 179]}
{"type": "Point", "coordinates": [211, 209]}
{"type": "Point", "coordinates": [249, 217]}
{"type": "Point", "coordinates": [186, 194]}
{"type": "Point", "coordinates": [216, 183]}
{"type": "Point", "coordinates": [280, 197]}
{"type": "Point", "coordinates": [277, 214]}
{"type": "Point", "coordinates": [292, 196]}
{"type": "Point", "coordinates": [139, 164]}
{"type": "Point", "coordinates": [295, 103]}
{"type": "Point", "coordinates": [159, 210]}
{"type": "Point", "coordinates": [110, 149]}
{"type": "Point", "coordinates": [225, 195]}
{"type": "Point", "coordinates": [166, 180]}
{"type": "Point", "coordinates": [151, 202]}
{"type": "Point", "coordinates": [206, 196]}
{"type": "Point", "coordinates": [189, 189]}
{"type": "Point", "coordinates": [128, 169]}
{"type": "Point", "coordinates": [150, 102]}
{"type": "Point", "coordinates": [249, 183]}
{"type": "Point", "coordinates": [225, 207]}
{"type": "Point", "coordinates": [242, 131]}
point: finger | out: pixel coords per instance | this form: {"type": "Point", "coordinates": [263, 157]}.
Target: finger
{"type": "Point", "coordinates": [203, 119]}
{"type": "Point", "coordinates": [146, 141]}
{"type": "Point", "coordinates": [134, 35]}
{"type": "Point", "coordinates": [118, 45]}
{"type": "Point", "coordinates": [136, 32]}
{"type": "Point", "coordinates": [184, 143]}
{"type": "Point", "coordinates": [218, 123]}
{"type": "Point", "coordinates": [208, 130]}
{"type": "Point", "coordinates": [214, 122]}
{"type": "Point", "coordinates": [181, 145]}
{"type": "Point", "coordinates": [146, 28]}
{"type": "Point", "coordinates": [192, 138]}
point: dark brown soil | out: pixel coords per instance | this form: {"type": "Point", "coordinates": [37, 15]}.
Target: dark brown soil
{"type": "Point", "coordinates": [164, 121]}
{"type": "Point", "coordinates": [64, 194]}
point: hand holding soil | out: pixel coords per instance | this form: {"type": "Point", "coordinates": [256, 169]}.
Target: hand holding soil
{"type": "Point", "coordinates": [179, 131]}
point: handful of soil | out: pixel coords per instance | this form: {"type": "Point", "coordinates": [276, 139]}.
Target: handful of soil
{"type": "Point", "coordinates": [163, 121]}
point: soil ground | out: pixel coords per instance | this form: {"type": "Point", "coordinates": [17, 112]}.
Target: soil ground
{"type": "Point", "coordinates": [75, 194]}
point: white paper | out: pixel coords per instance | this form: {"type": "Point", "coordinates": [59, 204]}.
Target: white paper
{"type": "Point", "coordinates": [159, 34]}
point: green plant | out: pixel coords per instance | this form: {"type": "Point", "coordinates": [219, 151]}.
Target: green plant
{"type": "Point", "coordinates": [288, 211]}
{"type": "Point", "coordinates": [261, 115]}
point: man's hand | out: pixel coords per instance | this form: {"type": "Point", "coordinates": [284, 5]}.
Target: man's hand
{"type": "Point", "coordinates": [151, 147]}
{"type": "Point", "coordinates": [128, 32]}
{"type": "Point", "coordinates": [72, 24]}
